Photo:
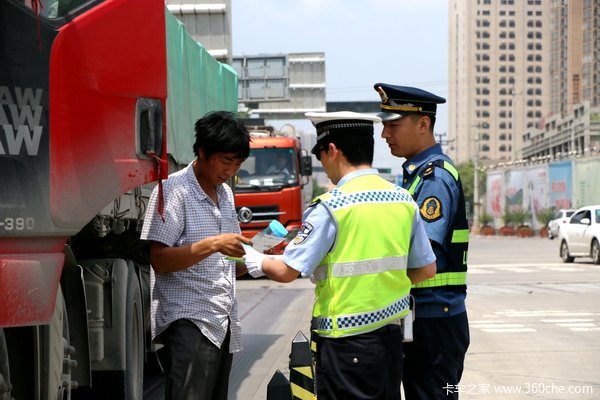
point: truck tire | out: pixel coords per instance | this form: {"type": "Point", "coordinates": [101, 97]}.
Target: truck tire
{"type": "Point", "coordinates": [127, 382]}
{"type": "Point", "coordinates": [55, 354]}
{"type": "Point", "coordinates": [134, 373]}
{"type": "Point", "coordinates": [4, 374]}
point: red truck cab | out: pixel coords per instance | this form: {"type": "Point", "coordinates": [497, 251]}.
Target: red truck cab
{"type": "Point", "coordinates": [269, 184]}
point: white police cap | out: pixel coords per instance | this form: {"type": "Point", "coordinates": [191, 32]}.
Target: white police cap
{"type": "Point", "coordinates": [329, 122]}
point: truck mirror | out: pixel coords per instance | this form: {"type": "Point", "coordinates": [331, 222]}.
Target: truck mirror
{"type": "Point", "coordinates": [306, 165]}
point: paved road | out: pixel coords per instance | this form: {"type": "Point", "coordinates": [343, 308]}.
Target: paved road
{"type": "Point", "coordinates": [535, 326]}
{"type": "Point", "coordinates": [535, 323]}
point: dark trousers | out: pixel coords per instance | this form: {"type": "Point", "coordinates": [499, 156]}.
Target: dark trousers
{"type": "Point", "coordinates": [361, 367]}
{"type": "Point", "coordinates": [196, 368]}
{"type": "Point", "coordinates": [433, 363]}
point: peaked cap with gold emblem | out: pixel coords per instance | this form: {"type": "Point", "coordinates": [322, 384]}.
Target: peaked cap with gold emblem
{"type": "Point", "coordinates": [398, 101]}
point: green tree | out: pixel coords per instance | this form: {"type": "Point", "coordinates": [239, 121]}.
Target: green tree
{"type": "Point", "coordinates": [318, 190]}
{"type": "Point", "coordinates": [546, 215]}
{"type": "Point", "coordinates": [466, 173]}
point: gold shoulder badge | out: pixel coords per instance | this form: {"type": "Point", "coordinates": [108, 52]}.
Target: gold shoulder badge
{"type": "Point", "coordinates": [428, 171]}
{"type": "Point", "coordinates": [411, 167]}
{"type": "Point", "coordinates": [431, 209]}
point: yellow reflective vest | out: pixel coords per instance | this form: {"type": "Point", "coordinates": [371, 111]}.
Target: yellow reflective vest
{"type": "Point", "coordinates": [361, 284]}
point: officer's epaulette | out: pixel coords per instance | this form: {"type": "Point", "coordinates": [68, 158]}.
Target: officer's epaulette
{"type": "Point", "coordinates": [314, 202]}
{"type": "Point", "coordinates": [428, 171]}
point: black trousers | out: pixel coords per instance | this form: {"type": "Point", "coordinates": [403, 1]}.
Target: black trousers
{"type": "Point", "coordinates": [361, 367]}
{"type": "Point", "coordinates": [433, 363]}
{"type": "Point", "coordinates": [196, 368]}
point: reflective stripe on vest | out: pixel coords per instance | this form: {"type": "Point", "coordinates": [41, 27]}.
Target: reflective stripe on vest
{"type": "Point", "coordinates": [345, 322]}
{"type": "Point", "coordinates": [356, 268]}
{"type": "Point", "coordinates": [444, 279]}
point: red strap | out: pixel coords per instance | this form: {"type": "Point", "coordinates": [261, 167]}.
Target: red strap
{"type": "Point", "coordinates": [36, 6]}
{"type": "Point", "coordinates": [159, 174]}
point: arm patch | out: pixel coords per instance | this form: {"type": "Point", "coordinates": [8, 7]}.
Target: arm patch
{"type": "Point", "coordinates": [431, 209]}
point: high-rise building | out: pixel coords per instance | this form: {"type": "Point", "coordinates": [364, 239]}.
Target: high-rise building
{"type": "Point", "coordinates": [590, 74]}
{"type": "Point", "coordinates": [575, 54]}
{"type": "Point", "coordinates": [499, 57]}
{"type": "Point", "coordinates": [573, 127]}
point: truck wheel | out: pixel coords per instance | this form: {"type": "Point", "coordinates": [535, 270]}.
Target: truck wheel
{"type": "Point", "coordinates": [4, 374]}
{"type": "Point", "coordinates": [564, 253]}
{"type": "Point", "coordinates": [595, 253]}
{"type": "Point", "coordinates": [122, 378]}
{"type": "Point", "coordinates": [56, 353]}
{"type": "Point", "coordinates": [134, 373]}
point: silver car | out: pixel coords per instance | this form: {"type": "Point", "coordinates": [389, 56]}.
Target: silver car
{"type": "Point", "coordinates": [561, 217]}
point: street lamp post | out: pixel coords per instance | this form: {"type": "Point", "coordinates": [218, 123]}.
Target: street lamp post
{"type": "Point", "coordinates": [475, 227]}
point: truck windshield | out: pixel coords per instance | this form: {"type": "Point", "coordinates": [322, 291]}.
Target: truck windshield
{"type": "Point", "coordinates": [268, 169]}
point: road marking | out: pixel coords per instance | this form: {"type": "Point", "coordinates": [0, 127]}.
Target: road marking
{"type": "Point", "coordinates": [578, 325]}
{"type": "Point", "coordinates": [509, 330]}
{"type": "Point", "coordinates": [501, 325]}
{"type": "Point", "coordinates": [524, 265]}
{"type": "Point", "coordinates": [544, 313]}
{"type": "Point", "coordinates": [566, 320]}
{"type": "Point", "coordinates": [585, 329]}
{"type": "Point", "coordinates": [518, 270]}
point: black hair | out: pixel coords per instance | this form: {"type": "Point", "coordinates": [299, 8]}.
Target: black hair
{"type": "Point", "coordinates": [357, 147]}
{"type": "Point", "coordinates": [221, 132]}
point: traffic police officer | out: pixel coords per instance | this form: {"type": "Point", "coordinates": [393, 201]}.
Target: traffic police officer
{"type": "Point", "coordinates": [363, 242]}
{"type": "Point", "coordinates": [434, 361]}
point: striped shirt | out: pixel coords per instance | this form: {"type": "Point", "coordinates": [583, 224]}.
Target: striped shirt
{"type": "Point", "coordinates": [204, 293]}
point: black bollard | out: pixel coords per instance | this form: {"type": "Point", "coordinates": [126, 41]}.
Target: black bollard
{"type": "Point", "coordinates": [279, 387]}
{"type": "Point", "coordinates": [301, 369]}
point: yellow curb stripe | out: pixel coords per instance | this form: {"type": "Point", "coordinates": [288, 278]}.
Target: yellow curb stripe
{"type": "Point", "coordinates": [306, 371]}
{"type": "Point", "coordinates": [301, 393]}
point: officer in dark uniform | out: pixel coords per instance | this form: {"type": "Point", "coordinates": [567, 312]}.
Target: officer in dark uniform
{"type": "Point", "coordinates": [434, 362]}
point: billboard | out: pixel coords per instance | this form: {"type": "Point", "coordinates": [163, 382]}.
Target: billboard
{"type": "Point", "coordinates": [560, 183]}
{"type": "Point", "coordinates": [587, 183]}
{"type": "Point", "coordinates": [535, 192]}
{"type": "Point", "coordinates": [495, 195]}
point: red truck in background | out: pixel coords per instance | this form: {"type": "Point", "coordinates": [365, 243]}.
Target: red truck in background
{"type": "Point", "coordinates": [93, 96]}
{"type": "Point", "coordinates": [272, 182]}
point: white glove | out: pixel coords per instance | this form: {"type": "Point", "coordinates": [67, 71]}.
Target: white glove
{"type": "Point", "coordinates": [253, 260]}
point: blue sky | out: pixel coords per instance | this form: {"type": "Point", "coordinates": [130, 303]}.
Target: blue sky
{"type": "Point", "coordinates": [403, 42]}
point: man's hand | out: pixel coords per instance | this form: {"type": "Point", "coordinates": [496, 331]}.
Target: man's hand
{"type": "Point", "coordinates": [230, 244]}
{"type": "Point", "coordinates": [253, 260]}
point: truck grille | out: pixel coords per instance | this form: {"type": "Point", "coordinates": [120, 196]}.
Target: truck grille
{"type": "Point", "coordinates": [262, 213]}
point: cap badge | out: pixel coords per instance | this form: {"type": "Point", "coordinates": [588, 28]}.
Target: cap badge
{"type": "Point", "coordinates": [382, 94]}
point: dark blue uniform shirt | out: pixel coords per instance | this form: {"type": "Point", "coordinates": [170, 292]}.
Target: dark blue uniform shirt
{"type": "Point", "coordinates": [438, 198]}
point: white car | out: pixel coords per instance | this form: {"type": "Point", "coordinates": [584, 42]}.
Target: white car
{"type": "Point", "coordinates": [561, 217]}
{"type": "Point", "coordinates": [580, 237]}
